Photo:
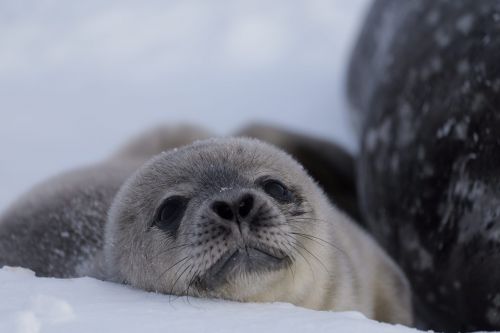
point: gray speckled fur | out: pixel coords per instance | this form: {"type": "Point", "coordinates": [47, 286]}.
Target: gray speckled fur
{"type": "Point", "coordinates": [327, 250]}
{"type": "Point", "coordinates": [58, 228]}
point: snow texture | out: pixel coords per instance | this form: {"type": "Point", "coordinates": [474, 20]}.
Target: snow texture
{"type": "Point", "coordinates": [88, 305]}
{"type": "Point", "coordinates": [78, 78]}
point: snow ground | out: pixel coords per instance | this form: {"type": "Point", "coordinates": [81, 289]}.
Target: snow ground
{"type": "Point", "coordinates": [78, 78]}
{"type": "Point", "coordinates": [88, 305]}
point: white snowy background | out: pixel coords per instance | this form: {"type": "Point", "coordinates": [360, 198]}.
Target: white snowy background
{"type": "Point", "coordinates": [78, 78]}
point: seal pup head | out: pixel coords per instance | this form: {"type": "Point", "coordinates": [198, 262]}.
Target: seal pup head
{"type": "Point", "coordinates": [211, 219]}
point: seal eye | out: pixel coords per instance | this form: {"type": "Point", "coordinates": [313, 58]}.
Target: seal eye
{"type": "Point", "coordinates": [278, 191]}
{"type": "Point", "coordinates": [170, 214]}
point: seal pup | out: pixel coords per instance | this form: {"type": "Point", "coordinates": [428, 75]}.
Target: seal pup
{"type": "Point", "coordinates": [239, 219]}
{"type": "Point", "coordinates": [230, 218]}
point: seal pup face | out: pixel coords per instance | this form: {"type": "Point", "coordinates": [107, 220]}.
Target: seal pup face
{"type": "Point", "coordinates": [209, 218]}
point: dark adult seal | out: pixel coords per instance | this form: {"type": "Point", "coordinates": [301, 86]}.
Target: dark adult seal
{"type": "Point", "coordinates": [424, 84]}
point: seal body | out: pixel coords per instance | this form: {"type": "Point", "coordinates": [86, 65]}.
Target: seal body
{"type": "Point", "coordinates": [57, 229]}
{"type": "Point", "coordinates": [230, 218]}
{"type": "Point", "coordinates": [424, 84]}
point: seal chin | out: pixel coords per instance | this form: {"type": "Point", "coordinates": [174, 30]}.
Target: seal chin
{"type": "Point", "coordinates": [237, 262]}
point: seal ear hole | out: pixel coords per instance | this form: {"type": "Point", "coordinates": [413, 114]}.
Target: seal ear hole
{"type": "Point", "coordinates": [170, 213]}
{"type": "Point", "coordinates": [277, 190]}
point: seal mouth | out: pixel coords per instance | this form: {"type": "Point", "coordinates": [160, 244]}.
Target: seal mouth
{"type": "Point", "coordinates": [240, 261]}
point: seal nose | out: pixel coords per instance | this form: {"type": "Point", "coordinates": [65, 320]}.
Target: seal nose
{"type": "Point", "coordinates": [228, 210]}
{"type": "Point", "coordinates": [245, 205]}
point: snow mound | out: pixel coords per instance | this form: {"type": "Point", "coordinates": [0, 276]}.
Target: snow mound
{"type": "Point", "coordinates": [30, 305]}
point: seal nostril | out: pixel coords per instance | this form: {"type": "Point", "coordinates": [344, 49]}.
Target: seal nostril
{"type": "Point", "coordinates": [245, 206]}
{"type": "Point", "coordinates": [223, 210]}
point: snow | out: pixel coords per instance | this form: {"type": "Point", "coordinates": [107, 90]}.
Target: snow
{"type": "Point", "coordinates": [88, 305]}
{"type": "Point", "coordinates": [79, 78]}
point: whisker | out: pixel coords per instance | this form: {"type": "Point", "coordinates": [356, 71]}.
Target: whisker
{"type": "Point", "coordinates": [303, 257]}
{"type": "Point", "coordinates": [311, 254]}
{"type": "Point", "coordinates": [318, 239]}
{"type": "Point", "coordinates": [175, 264]}
{"type": "Point", "coordinates": [165, 251]}
{"type": "Point", "coordinates": [178, 277]}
